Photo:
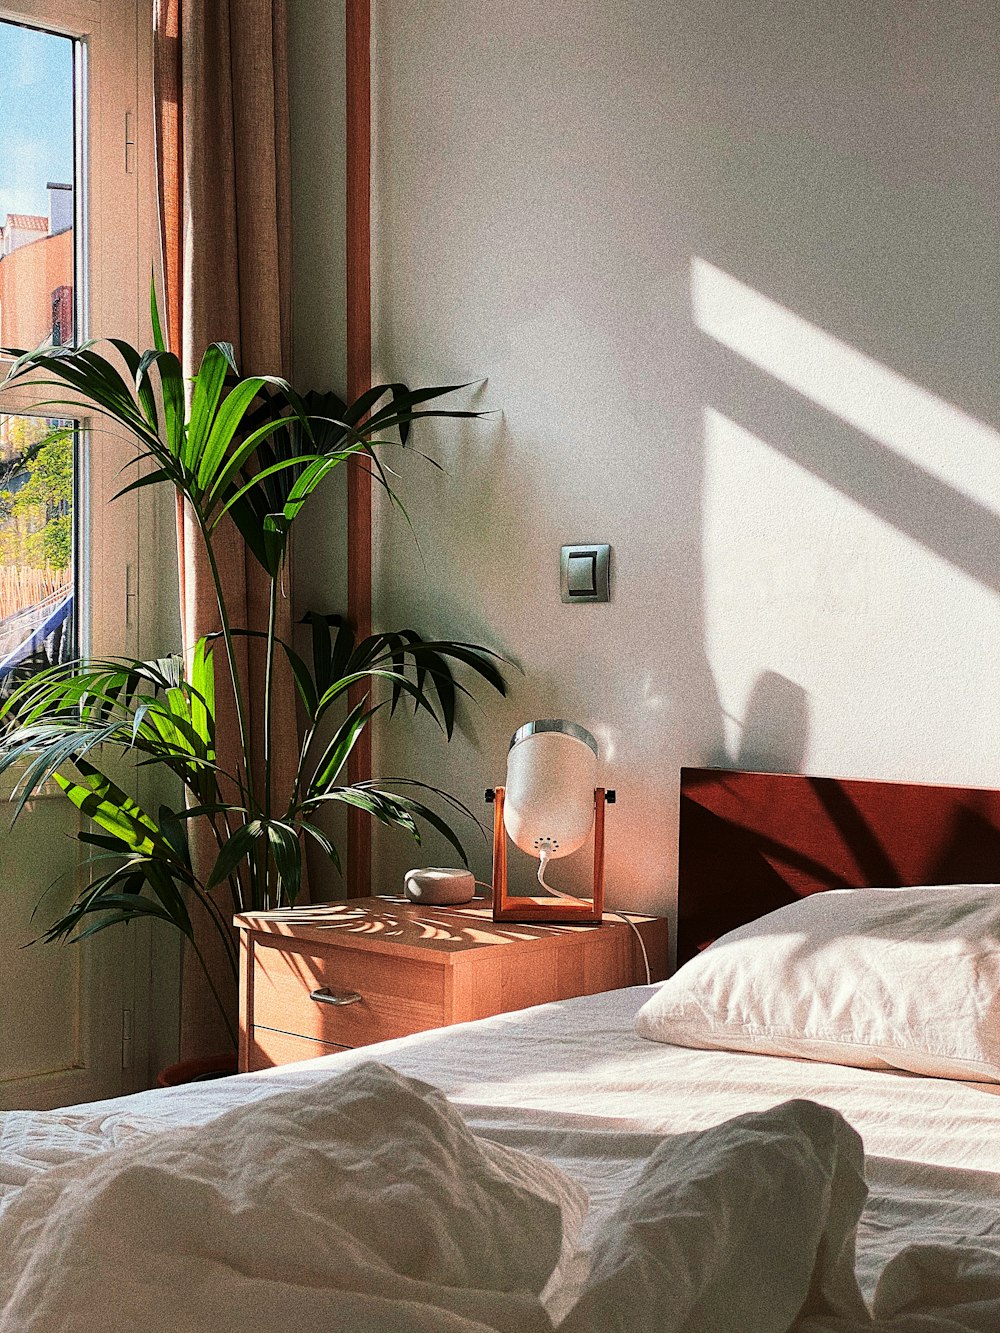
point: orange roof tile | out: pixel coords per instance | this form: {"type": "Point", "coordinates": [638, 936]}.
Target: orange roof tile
{"type": "Point", "coordinates": [27, 221]}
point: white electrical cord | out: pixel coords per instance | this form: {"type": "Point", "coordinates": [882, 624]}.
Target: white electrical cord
{"type": "Point", "coordinates": [623, 916]}
{"type": "Point", "coordinates": [544, 857]}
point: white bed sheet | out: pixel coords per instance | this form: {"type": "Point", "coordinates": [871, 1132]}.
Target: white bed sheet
{"type": "Point", "coordinates": [571, 1082]}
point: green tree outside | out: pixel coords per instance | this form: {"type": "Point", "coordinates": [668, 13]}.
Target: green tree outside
{"type": "Point", "coordinates": [36, 517]}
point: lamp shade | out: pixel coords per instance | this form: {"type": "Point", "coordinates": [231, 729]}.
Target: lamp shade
{"type": "Point", "coordinates": [551, 776]}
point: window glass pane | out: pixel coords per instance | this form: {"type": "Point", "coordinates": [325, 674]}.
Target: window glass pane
{"type": "Point", "coordinates": [38, 155]}
{"type": "Point", "coordinates": [37, 545]}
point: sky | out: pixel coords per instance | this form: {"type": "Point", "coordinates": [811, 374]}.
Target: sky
{"type": "Point", "coordinates": [36, 116]}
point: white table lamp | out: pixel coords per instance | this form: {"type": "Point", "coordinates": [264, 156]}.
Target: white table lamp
{"type": "Point", "coordinates": [548, 809]}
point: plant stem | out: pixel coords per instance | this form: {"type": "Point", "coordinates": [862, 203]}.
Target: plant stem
{"type": "Point", "coordinates": [226, 1016]}
{"type": "Point", "coordinates": [227, 634]}
{"type": "Point", "coordinates": [307, 740]}
{"type": "Point", "coordinates": [241, 710]}
{"type": "Point", "coordinates": [272, 618]}
{"type": "Point", "coordinates": [221, 925]}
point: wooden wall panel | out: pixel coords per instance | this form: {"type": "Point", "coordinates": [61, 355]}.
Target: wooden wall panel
{"type": "Point", "coordinates": [359, 365]}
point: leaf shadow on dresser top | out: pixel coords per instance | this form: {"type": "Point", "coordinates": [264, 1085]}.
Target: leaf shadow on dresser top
{"type": "Point", "coordinates": [314, 980]}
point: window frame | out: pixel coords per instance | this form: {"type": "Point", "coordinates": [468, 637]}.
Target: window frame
{"type": "Point", "coordinates": [124, 603]}
{"type": "Point", "coordinates": [113, 246]}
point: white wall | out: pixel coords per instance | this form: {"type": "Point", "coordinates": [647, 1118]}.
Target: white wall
{"type": "Point", "coordinates": [731, 271]}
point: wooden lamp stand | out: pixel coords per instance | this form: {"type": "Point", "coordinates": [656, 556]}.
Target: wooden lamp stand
{"type": "Point", "coordinates": [557, 911]}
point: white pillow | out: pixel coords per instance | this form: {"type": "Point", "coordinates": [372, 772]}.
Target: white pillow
{"type": "Point", "coordinates": [878, 978]}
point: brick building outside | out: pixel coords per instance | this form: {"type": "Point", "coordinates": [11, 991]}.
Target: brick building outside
{"type": "Point", "coordinates": [36, 274]}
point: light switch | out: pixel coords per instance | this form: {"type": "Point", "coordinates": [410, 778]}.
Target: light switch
{"type": "Point", "coordinates": [584, 573]}
{"type": "Point", "coordinates": [581, 574]}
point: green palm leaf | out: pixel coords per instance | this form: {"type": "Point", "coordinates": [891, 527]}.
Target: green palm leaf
{"type": "Point", "coordinates": [112, 810]}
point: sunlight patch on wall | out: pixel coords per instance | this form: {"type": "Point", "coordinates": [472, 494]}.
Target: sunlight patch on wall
{"type": "Point", "coordinates": [802, 581]}
{"type": "Point", "coordinates": [916, 424]}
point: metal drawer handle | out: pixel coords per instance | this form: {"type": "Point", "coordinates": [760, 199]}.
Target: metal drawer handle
{"type": "Point", "coordinates": [326, 996]}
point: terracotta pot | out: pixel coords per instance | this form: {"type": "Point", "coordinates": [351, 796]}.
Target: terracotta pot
{"type": "Point", "coordinates": [197, 1071]}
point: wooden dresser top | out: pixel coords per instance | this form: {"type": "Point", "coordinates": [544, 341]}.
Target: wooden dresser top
{"type": "Point", "coordinates": [396, 925]}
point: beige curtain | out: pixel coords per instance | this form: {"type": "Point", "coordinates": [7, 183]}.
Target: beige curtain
{"type": "Point", "coordinates": [223, 161]}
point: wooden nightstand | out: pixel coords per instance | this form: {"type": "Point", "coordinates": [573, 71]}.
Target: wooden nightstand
{"type": "Point", "coordinates": [318, 979]}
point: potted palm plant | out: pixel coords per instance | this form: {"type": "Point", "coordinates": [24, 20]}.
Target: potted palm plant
{"type": "Point", "coordinates": [245, 454]}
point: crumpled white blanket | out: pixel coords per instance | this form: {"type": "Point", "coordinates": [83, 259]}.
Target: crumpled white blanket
{"type": "Point", "coordinates": [750, 1227]}
{"type": "Point", "coordinates": [363, 1204]}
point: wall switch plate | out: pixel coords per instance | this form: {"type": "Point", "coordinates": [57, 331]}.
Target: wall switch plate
{"type": "Point", "coordinates": [584, 573]}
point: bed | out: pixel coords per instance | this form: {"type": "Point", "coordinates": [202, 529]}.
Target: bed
{"type": "Point", "coordinates": [573, 1084]}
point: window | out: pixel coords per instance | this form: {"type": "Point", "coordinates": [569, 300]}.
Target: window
{"type": "Point", "coordinates": [40, 136]}
{"type": "Point", "coordinates": [78, 220]}
{"type": "Point", "coordinates": [38, 560]}
{"type": "Point", "coordinates": [39, 156]}
{"type": "Point", "coordinates": [77, 233]}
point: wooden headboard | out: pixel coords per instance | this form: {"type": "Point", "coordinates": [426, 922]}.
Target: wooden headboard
{"type": "Point", "coordinates": [751, 842]}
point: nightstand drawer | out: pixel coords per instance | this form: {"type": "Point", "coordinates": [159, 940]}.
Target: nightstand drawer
{"type": "Point", "coordinates": [268, 1048]}
{"type": "Point", "coordinates": [380, 996]}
